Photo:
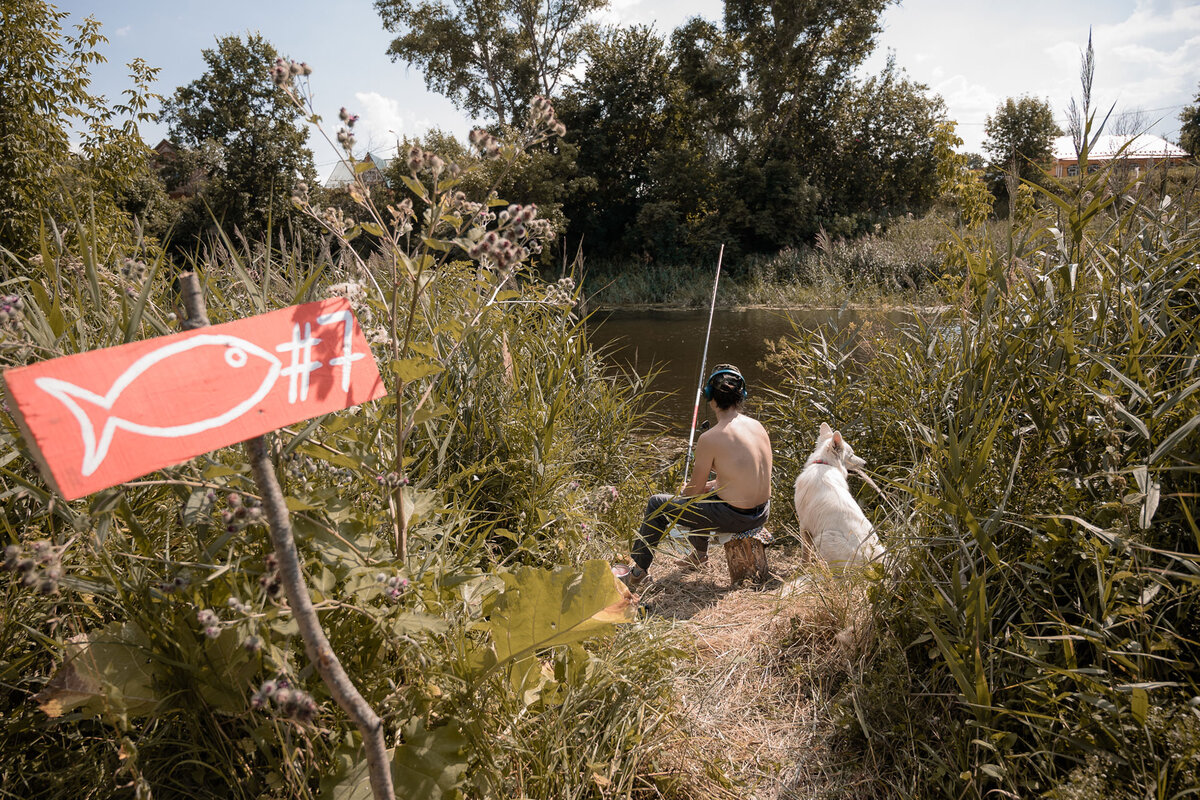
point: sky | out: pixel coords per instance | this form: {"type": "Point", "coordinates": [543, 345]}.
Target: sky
{"type": "Point", "coordinates": [973, 53]}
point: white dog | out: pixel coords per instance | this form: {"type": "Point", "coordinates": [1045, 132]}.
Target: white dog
{"type": "Point", "coordinates": [839, 531]}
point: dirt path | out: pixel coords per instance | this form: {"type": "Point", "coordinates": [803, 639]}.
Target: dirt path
{"type": "Point", "coordinates": [757, 689]}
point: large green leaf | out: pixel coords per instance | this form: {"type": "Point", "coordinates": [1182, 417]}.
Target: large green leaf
{"type": "Point", "coordinates": [542, 608]}
{"type": "Point", "coordinates": [106, 671]}
{"type": "Point", "coordinates": [429, 765]}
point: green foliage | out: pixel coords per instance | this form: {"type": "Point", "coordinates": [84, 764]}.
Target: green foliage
{"type": "Point", "coordinates": [45, 101]}
{"type": "Point", "coordinates": [491, 58]}
{"type": "Point", "coordinates": [1020, 135]}
{"type": "Point", "coordinates": [1189, 127]}
{"type": "Point", "coordinates": [150, 625]}
{"type": "Point", "coordinates": [756, 136]}
{"type": "Point", "coordinates": [1037, 449]}
{"type": "Point", "coordinates": [893, 136]}
{"type": "Point", "coordinates": [249, 130]}
{"type": "Point", "coordinates": [798, 60]}
{"type": "Point", "coordinates": [899, 264]}
{"type": "Point", "coordinates": [625, 122]}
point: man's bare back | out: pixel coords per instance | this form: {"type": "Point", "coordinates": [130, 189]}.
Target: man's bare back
{"type": "Point", "coordinates": [738, 450]}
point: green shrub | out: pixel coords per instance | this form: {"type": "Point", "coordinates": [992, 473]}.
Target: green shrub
{"type": "Point", "coordinates": [1037, 449]}
{"type": "Point", "coordinates": [146, 644]}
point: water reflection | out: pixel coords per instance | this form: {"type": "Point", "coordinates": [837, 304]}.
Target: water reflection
{"type": "Point", "coordinates": [673, 341]}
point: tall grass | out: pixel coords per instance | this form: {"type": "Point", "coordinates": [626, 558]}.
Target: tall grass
{"type": "Point", "coordinates": [142, 627]}
{"type": "Point", "coordinates": [1038, 451]}
{"type": "Point", "coordinates": [900, 264]}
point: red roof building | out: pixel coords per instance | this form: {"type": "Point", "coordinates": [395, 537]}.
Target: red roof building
{"type": "Point", "coordinates": [1137, 152]}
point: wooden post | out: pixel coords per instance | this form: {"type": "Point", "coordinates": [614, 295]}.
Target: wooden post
{"type": "Point", "coordinates": [746, 558]}
{"type": "Point", "coordinates": [316, 644]}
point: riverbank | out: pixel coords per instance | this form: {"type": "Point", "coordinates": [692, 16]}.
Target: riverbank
{"type": "Point", "coordinates": [664, 346]}
{"type": "Point", "coordinates": [900, 267]}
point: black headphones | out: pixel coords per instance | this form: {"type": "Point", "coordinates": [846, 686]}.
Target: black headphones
{"type": "Point", "coordinates": [710, 385]}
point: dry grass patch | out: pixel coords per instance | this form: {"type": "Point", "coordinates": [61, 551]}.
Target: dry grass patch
{"type": "Point", "coordinates": [756, 692]}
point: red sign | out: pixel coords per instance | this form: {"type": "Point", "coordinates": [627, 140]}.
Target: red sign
{"type": "Point", "coordinates": [96, 419]}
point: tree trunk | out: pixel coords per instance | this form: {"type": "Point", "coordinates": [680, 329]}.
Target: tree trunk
{"type": "Point", "coordinates": [746, 558]}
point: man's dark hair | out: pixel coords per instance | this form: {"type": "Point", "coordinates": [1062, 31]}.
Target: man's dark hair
{"type": "Point", "coordinates": [727, 386]}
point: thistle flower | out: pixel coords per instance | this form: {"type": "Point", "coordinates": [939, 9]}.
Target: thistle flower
{"type": "Point", "coordinates": [289, 702]}
{"type": "Point", "coordinates": [237, 605]}
{"type": "Point", "coordinates": [40, 566]}
{"type": "Point", "coordinates": [280, 73]}
{"type": "Point", "coordinates": [416, 159]}
{"type": "Point", "coordinates": [240, 513]}
{"type": "Point", "coordinates": [174, 585]}
{"type": "Point", "coordinates": [391, 479]}
{"type": "Point", "coordinates": [542, 119]}
{"type": "Point", "coordinates": [12, 308]}
{"type": "Point", "coordinates": [394, 585]}
{"type": "Point", "coordinates": [269, 580]}
{"type": "Point", "coordinates": [485, 143]}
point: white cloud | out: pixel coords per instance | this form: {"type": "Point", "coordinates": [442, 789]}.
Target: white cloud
{"type": "Point", "coordinates": [1154, 50]}
{"type": "Point", "coordinates": [975, 99]}
{"type": "Point", "coordinates": [124, 31]}
{"type": "Point", "coordinates": [1147, 22]}
{"type": "Point", "coordinates": [665, 15]}
{"type": "Point", "coordinates": [969, 103]}
{"type": "Point", "coordinates": [381, 121]}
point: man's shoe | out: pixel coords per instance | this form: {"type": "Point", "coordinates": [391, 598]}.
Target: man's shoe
{"type": "Point", "coordinates": [634, 577]}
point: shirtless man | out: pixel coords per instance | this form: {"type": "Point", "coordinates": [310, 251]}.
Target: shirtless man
{"type": "Point", "coordinates": [738, 450]}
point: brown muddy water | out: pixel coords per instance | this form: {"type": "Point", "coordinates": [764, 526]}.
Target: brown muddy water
{"type": "Point", "coordinates": [673, 342]}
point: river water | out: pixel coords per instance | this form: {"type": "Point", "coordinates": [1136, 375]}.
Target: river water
{"type": "Point", "coordinates": [673, 341]}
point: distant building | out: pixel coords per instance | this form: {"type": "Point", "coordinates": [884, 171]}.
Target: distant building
{"type": "Point", "coordinates": [1135, 152]}
{"type": "Point", "coordinates": [168, 161]}
{"type": "Point", "coordinates": [342, 175]}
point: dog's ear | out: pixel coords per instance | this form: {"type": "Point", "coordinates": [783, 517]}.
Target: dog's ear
{"type": "Point", "coordinates": [825, 432]}
{"type": "Point", "coordinates": [838, 441]}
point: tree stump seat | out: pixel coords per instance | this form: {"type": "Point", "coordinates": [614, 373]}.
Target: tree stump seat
{"type": "Point", "coordinates": [746, 555]}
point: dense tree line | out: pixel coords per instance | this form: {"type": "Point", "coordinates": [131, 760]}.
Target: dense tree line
{"type": "Point", "coordinates": [757, 131]}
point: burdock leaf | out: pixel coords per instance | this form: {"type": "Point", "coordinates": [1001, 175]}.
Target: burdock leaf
{"type": "Point", "coordinates": [429, 765]}
{"type": "Point", "coordinates": [106, 671]}
{"type": "Point", "coordinates": [542, 608]}
{"type": "Point", "coordinates": [415, 186]}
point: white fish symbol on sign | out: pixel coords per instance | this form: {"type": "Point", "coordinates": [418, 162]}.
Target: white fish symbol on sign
{"type": "Point", "coordinates": [95, 413]}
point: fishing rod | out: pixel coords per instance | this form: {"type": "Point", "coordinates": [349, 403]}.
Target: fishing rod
{"type": "Point", "coordinates": [687, 465]}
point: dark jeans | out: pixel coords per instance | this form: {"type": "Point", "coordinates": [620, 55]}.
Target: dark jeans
{"type": "Point", "coordinates": [707, 515]}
